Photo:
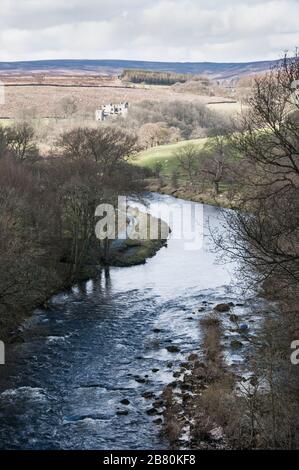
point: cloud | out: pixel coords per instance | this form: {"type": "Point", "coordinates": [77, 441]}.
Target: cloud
{"type": "Point", "coordinates": [177, 30]}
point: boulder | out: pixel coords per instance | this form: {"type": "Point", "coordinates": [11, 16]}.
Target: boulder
{"type": "Point", "coordinates": [186, 365]}
{"type": "Point", "coordinates": [235, 344]}
{"type": "Point", "coordinates": [222, 308]}
{"type": "Point", "coordinates": [125, 401]}
{"type": "Point", "coordinates": [173, 384]}
{"type": "Point", "coordinates": [173, 349]}
{"type": "Point", "coordinates": [158, 403]}
{"type": "Point", "coordinates": [158, 421]}
{"type": "Point", "coordinates": [152, 411]}
{"type": "Point", "coordinates": [243, 327]}
{"type": "Point", "coordinates": [139, 380]}
{"type": "Point", "coordinates": [148, 395]}
{"type": "Point", "coordinates": [122, 412]}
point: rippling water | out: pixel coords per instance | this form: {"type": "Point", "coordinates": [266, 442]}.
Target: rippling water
{"type": "Point", "coordinates": [62, 388]}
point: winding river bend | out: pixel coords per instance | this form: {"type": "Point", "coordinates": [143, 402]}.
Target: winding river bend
{"type": "Point", "coordinates": [62, 388]}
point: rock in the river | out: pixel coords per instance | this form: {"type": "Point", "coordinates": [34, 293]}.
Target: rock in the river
{"type": "Point", "coordinates": [122, 412]}
{"type": "Point", "coordinates": [157, 330]}
{"type": "Point", "coordinates": [139, 379]}
{"type": "Point", "coordinates": [158, 421]}
{"type": "Point", "coordinates": [173, 349]}
{"type": "Point", "coordinates": [243, 327]}
{"type": "Point", "coordinates": [186, 365]}
{"type": "Point", "coordinates": [152, 411]}
{"type": "Point", "coordinates": [148, 395]}
{"type": "Point", "coordinates": [223, 307]}
{"type": "Point", "coordinates": [159, 403]}
{"type": "Point", "coordinates": [235, 344]}
{"type": "Point", "coordinates": [173, 384]}
{"type": "Point", "coordinates": [125, 401]}
{"type": "Point", "coordinates": [155, 370]}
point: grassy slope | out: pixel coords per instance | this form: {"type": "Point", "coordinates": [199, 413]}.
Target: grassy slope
{"type": "Point", "coordinates": [164, 154]}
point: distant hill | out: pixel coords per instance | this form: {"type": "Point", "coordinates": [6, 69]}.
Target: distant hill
{"type": "Point", "coordinates": [213, 69]}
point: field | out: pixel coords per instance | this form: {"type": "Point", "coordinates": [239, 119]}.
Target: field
{"type": "Point", "coordinates": [41, 100]}
{"type": "Point", "coordinates": [164, 155]}
{"type": "Point", "coordinates": [40, 97]}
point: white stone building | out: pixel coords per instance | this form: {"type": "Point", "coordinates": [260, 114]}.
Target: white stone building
{"type": "Point", "coordinates": [111, 110]}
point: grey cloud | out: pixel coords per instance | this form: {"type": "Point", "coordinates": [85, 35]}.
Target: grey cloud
{"type": "Point", "coordinates": [217, 30]}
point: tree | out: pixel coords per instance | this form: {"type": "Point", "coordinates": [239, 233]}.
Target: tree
{"type": "Point", "coordinates": [107, 145]}
{"type": "Point", "coordinates": [174, 179]}
{"type": "Point", "coordinates": [78, 202]}
{"type": "Point", "coordinates": [73, 144]}
{"type": "Point", "coordinates": [157, 133]}
{"type": "Point", "coordinates": [263, 235]}
{"type": "Point", "coordinates": [265, 230]}
{"type": "Point", "coordinates": [184, 116]}
{"type": "Point", "coordinates": [157, 169]}
{"type": "Point", "coordinates": [215, 160]}
{"type": "Point", "coordinates": [3, 143]}
{"type": "Point", "coordinates": [188, 158]}
{"type": "Point", "coordinates": [20, 139]}
{"type": "Point", "coordinates": [69, 106]}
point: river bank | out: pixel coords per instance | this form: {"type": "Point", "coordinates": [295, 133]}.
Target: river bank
{"type": "Point", "coordinates": [238, 391]}
{"type": "Point", "coordinates": [123, 253]}
{"type": "Point", "coordinates": [225, 199]}
{"type": "Point", "coordinates": [200, 405]}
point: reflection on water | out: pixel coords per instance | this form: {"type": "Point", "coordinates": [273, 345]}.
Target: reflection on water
{"type": "Point", "coordinates": [105, 341]}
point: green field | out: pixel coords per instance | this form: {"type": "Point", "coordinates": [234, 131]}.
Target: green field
{"type": "Point", "coordinates": [164, 154]}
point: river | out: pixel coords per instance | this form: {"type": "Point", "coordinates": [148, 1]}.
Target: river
{"type": "Point", "coordinates": [62, 387]}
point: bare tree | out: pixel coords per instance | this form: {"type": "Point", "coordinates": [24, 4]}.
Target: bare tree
{"type": "Point", "coordinates": [69, 106]}
{"type": "Point", "coordinates": [188, 158]}
{"type": "Point", "coordinates": [20, 139]}
{"type": "Point", "coordinates": [215, 160]}
{"type": "Point", "coordinates": [3, 142]}
{"type": "Point", "coordinates": [73, 144]}
{"type": "Point", "coordinates": [107, 145]}
{"type": "Point", "coordinates": [265, 231]}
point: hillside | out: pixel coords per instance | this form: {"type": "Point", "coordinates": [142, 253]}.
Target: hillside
{"type": "Point", "coordinates": [215, 70]}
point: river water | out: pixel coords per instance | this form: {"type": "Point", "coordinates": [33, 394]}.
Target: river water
{"type": "Point", "coordinates": [62, 388]}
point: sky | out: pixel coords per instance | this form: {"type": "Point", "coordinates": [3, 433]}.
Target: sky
{"type": "Point", "coordinates": [159, 30]}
